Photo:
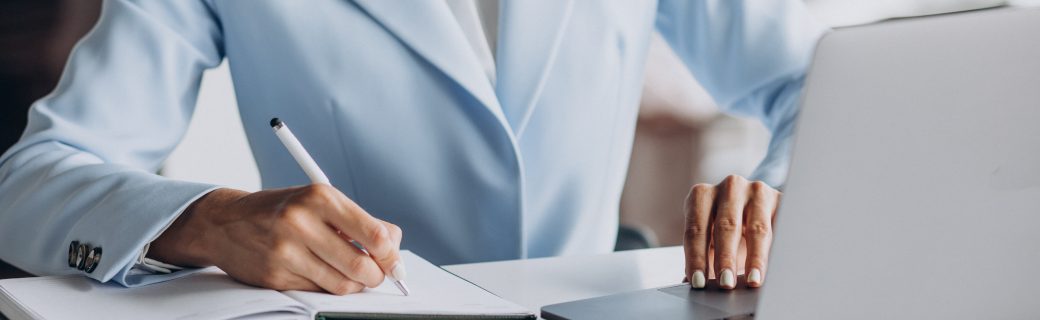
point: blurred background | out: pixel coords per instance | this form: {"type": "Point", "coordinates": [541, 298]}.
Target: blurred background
{"type": "Point", "coordinates": [681, 137]}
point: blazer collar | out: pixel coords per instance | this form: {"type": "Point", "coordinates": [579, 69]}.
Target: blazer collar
{"type": "Point", "coordinates": [428, 28]}
{"type": "Point", "coordinates": [529, 34]}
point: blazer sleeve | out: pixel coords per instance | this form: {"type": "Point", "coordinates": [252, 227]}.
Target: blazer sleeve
{"type": "Point", "coordinates": [85, 167]}
{"type": "Point", "coordinates": [752, 57]}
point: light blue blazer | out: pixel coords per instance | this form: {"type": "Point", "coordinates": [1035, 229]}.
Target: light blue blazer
{"type": "Point", "coordinates": [393, 104]}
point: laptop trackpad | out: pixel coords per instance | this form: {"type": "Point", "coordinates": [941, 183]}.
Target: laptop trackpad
{"type": "Point", "coordinates": [741, 301]}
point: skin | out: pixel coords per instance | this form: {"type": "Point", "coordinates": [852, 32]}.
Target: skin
{"type": "Point", "coordinates": [298, 238]}
{"type": "Point", "coordinates": [729, 225]}
{"type": "Point", "coordinates": [285, 239]}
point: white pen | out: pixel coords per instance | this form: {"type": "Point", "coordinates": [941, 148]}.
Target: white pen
{"type": "Point", "coordinates": [317, 176]}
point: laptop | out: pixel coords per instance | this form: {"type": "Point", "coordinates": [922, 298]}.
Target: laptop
{"type": "Point", "coordinates": [914, 189]}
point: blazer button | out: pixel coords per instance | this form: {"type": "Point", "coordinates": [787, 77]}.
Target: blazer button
{"type": "Point", "coordinates": [81, 256]}
{"type": "Point", "coordinates": [72, 254]}
{"type": "Point", "coordinates": [93, 259]}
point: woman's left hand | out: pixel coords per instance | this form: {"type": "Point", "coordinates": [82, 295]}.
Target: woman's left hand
{"type": "Point", "coordinates": [729, 228]}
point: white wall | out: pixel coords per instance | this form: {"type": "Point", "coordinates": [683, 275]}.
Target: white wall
{"type": "Point", "coordinates": [215, 150]}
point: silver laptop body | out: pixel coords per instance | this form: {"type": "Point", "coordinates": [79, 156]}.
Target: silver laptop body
{"type": "Point", "coordinates": [914, 191]}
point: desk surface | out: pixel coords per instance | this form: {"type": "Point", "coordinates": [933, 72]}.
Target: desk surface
{"type": "Point", "coordinates": [534, 283]}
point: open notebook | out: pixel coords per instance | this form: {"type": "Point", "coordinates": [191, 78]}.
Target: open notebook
{"type": "Point", "coordinates": [211, 294]}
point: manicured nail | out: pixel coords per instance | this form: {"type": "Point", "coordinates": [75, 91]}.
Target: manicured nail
{"type": "Point", "coordinates": [398, 272]}
{"type": "Point", "coordinates": [698, 279]}
{"type": "Point", "coordinates": [728, 279]}
{"type": "Point", "coordinates": [754, 277]}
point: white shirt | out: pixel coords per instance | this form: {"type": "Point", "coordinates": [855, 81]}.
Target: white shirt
{"type": "Point", "coordinates": [478, 20]}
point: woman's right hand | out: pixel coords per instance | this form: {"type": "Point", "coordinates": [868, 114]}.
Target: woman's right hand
{"type": "Point", "coordinates": [286, 239]}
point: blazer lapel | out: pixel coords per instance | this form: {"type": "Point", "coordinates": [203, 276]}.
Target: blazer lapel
{"type": "Point", "coordinates": [530, 33]}
{"type": "Point", "coordinates": [429, 28]}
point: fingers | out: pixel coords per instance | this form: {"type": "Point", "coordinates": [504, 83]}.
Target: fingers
{"type": "Point", "coordinates": [395, 233]}
{"type": "Point", "coordinates": [324, 242]}
{"type": "Point", "coordinates": [323, 275]}
{"type": "Point", "coordinates": [727, 228]}
{"type": "Point", "coordinates": [758, 231]}
{"type": "Point", "coordinates": [287, 239]}
{"type": "Point", "coordinates": [292, 267]}
{"type": "Point", "coordinates": [373, 234]}
{"type": "Point", "coordinates": [382, 240]}
{"type": "Point", "coordinates": [697, 235]}
{"type": "Point", "coordinates": [294, 282]}
{"type": "Point", "coordinates": [397, 270]}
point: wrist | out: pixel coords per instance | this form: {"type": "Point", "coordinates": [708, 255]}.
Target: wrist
{"type": "Point", "coordinates": [187, 241]}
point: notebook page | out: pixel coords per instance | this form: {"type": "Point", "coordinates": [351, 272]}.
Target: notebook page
{"type": "Point", "coordinates": [208, 294]}
{"type": "Point", "coordinates": [433, 292]}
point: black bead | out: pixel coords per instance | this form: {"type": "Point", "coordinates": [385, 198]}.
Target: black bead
{"type": "Point", "coordinates": [93, 260]}
{"type": "Point", "coordinates": [81, 256]}
{"type": "Point", "coordinates": [72, 254]}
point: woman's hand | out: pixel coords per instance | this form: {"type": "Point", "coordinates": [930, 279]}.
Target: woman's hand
{"type": "Point", "coordinates": [729, 228]}
{"type": "Point", "coordinates": [285, 239]}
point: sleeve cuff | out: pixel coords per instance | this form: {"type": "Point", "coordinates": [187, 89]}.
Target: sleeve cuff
{"type": "Point", "coordinates": [138, 269]}
{"type": "Point", "coordinates": [151, 265]}
{"type": "Point", "coordinates": [144, 263]}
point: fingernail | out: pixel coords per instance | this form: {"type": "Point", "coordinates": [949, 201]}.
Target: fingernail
{"type": "Point", "coordinates": [398, 272]}
{"type": "Point", "coordinates": [754, 277]}
{"type": "Point", "coordinates": [698, 279]}
{"type": "Point", "coordinates": [728, 279]}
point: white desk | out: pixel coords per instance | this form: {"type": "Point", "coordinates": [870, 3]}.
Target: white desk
{"type": "Point", "coordinates": [534, 283]}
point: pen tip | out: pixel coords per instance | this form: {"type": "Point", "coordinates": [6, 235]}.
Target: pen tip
{"type": "Point", "coordinates": [275, 122]}
{"type": "Point", "coordinates": [404, 289]}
